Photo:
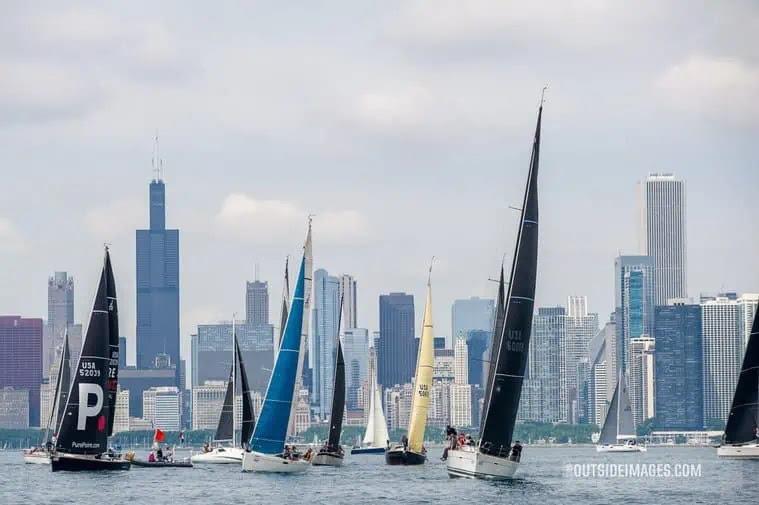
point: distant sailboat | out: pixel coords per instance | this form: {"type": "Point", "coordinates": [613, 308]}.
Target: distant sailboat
{"type": "Point", "coordinates": [82, 439]}
{"type": "Point", "coordinates": [41, 455]}
{"type": "Point", "coordinates": [741, 438]}
{"type": "Point", "coordinates": [376, 437]}
{"type": "Point", "coordinates": [332, 454]}
{"type": "Point", "coordinates": [494, 457]}
{"type": "Point", "coordinates": [411, 451]}
{"type": "Point", "coordinates": [618, 432]}
{"type": "Point", "coordinates": [267, 444]}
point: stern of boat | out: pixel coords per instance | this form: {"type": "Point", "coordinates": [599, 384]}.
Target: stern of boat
{"type": "Point", "coordinates": [746, 451]}
{"type": "Point", "coordinates": [268, 463]}
{"type": "Point", "coordinates": [470, 463]}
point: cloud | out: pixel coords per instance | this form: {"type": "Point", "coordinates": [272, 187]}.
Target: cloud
{"type": "Point", "coordinates": [270, 222]}
{"type": "Point", "coordinates": [725, 89]}
{"type": "Point", "coordinates": [10, 239]}
{"type": "Point", "coordinates": [115, 218]}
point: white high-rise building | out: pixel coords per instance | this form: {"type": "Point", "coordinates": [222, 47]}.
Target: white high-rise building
{"type": "Point", "coordinates": [642, 378]}
{"type": "Point", "coordinates": [440, 404]}
{"type": "Point", "coordinates": [460, 362]}
{"type": "Point", "coordinates": [722, 347]}
{"type": "Point", "coordinates": [747, 305]}
{"type": "Point", "coordinates": [580, 327]}
{"type": "Point", "coordinates": [326, 311]}
{"type": "Point", "coordinates": [163, 407]}
{"type": "Point", "coordinates": [207, 401]}
{"type": "Point", "coordinates": [544, 388]}
{"type": "Point", "coordinates": [663, 234]}
{"type": "Point", "coordinates": [461, 405]}
{"type": "Point", "coordinates": [356, 355]}
{"type": "Point", "coordinates": [121, 415]}
{"type": "Point", "coordinates": [348, 293]}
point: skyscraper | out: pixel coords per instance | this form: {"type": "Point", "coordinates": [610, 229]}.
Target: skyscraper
{"type": "Point", "coordinates": [471, 314]}
{"type": "Point", "coordinates": [256, 303]}
{"type": "Point", "coordinates": [633, 301]}
{"type": "Point", "coordinates": [356, 351]}
{"type": "Point", "coordinates": [542, 399]}
{"type": "Point", "coordinates": [642, 374]}
{"type": "Point", "coordinates": [157, 284]}
{"type": "Point", "coordinates": [349, 295]}
{"type": "Point", "coordinates": [679, 379]}
{"type": "Point", "coordinates": [747, 305]}
{"type": "Point", "coordinates": [326, 312]}
{"type": "Point", "coordinates": [580, 327]}
{"type": "Point", "coordinates": [722, 354]}
{"type": "Point", "coordinates": [21, 359]}
{"type": "Point", "coordinates": [60, 319]}
{"type": "Point", "coordinates": [663, 234]}
{"type": "Point", "coordinates": [396, 345]}
{"type": "Point", "coordinates": [602, 362]}
{"type": "Point", "coordinates": [478, 348]}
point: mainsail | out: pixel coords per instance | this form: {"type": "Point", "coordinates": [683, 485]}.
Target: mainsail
{"type": "Point", "coordinates": [500, 312]}
{"type": "Point", "coordinates": [423, 382]}
{"type": "Point", "coordinates": [338, 392]}
{"type": "Point", "coordinates": [285, 308]}
{"type": "Point", "coordinates": [248, 418]}
{"type": "Point", "coordinates": [376, 427]}
{"type": "Point", "coordinates": [84, 428]}
{"type": "Point", "coordinates": [61, 390]}
{"type": "Point", "coordinates": [619, 423]}
{"type": "Point", "coordinates": [512, 343]}
{"type": "Point", "coordinates": [271, 429]}
{"type": "Point", "coordinates": [743, 419]}
{"type": "Point", "coordinates": [112, 384]}
{"type": "Point", "coordinates": [226, 428]}
{"type": "Point", "coordinates": [609, 429]}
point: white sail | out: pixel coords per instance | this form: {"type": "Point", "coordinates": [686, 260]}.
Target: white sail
{"type": "Point", "coordinates": [376, 428]}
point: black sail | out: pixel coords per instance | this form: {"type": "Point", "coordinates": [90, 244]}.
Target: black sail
{"type": "Point", "coordinates": [285, 304]}
{"type": "Point", "coordinates": [248, 419]}
{"type": "Point", "coordinates": [511, 357]}
{"type": "Point", "coordinates": [112, 385]}
{"type": "Point", "coordinates": [500, 313]}
{"type": "Point", "coordinates": [64, 379]}
{"type": "Point", "coordinates": [225, 430]}
{"type": "Point", "coordinates": [609, 430]}
{"type": "Point", "coordinates": [744, 412]}
{"type": "Point", "coordinates": [84, 428]}
{"type": "Point", "coordinates": [338, 401]}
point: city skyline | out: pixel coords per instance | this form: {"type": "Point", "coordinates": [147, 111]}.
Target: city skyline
{"type": "Point", "coordinates": [409, 106]}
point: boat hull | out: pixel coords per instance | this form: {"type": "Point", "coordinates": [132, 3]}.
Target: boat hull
{"type": "Point", "coordinates": [397, 456]}
{"type": "Point", "coordinates": [161, 464]}
{"type": "Point", "coordinates": [269, 463]}
{"type": "Point", "coordinates": [472, 464]}
{"type": "Point", "coordinates": [620, 448]}
{"type": "Point", "coordinates": [327, 459]}
{"type": "Point", "coordinates": [82, 463]}
{"type": "Point", "coordinates": [219, 456]}
{"type": "Point", "coordinates": [745, 451]}
{"type": "Point", "coordinates": [37, 458]}
{"type": "Point", "coordinates": [368, 450]}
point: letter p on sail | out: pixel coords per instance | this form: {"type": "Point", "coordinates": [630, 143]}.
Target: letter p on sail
{"type": "Point", "coordinates": [85, 410]}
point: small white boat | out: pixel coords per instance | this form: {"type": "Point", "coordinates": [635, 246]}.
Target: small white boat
{"type": "Point", "coordinates": [744, 451]}
{"type": "Point", "coordinates": [618, 432]}
{"type": "Point", "coordinates": [621, 448]}
{"type": "Point", "coordinates": [271, 463]}
{"type": "Point", "coordinates": [36, 457]}
{"type": "Point", "coordinates": [467, 461]}
{"type": "Point", "coordinates": [219, 455]}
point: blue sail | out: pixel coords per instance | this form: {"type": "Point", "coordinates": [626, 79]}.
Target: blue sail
{"type": "Point", "coordinates": [271, 428]}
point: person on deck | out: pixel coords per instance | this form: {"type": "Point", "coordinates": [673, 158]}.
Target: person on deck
{"type": "Point", "coordinates": [516, 452]}
{"type": "Point", "coordinates": [404, 441]}
{"type": "Point", "coordinates": [159, 454]}
{"type": "Point", "coordinates": [151, 457]}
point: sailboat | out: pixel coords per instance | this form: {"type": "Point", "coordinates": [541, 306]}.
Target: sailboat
{"type": "Point", "coordinates": [82, 438]}
{"type": "Point", "coordinates": [411, 451]}
{"type": "Point", "coordinates": [41, 455]}
{"type": "Point", "coordinates": [332, 454]}
{"type": "Point", "coordinates": [492, 457]}
{"type": "Point", "coordinates": [267, 444]}
{"type": "Point", "coordinates": [741, 438]}
{"type": "Point", "coordinates": [225, 449]}
{"type": "Point", "coordinates": [376, 437]}
{"type": "Point", "coordinates": [618, 432]}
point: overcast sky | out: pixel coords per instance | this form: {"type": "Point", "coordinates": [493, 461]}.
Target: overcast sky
{"type": "Point", "coordinates": [404, 126]}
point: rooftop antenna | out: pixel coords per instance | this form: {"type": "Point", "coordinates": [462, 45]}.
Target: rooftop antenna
{"type": "Point", "coordinates": [255, 271]}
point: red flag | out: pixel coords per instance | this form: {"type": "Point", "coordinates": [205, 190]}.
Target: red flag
{"type": "Point", "coordinates": [159, 436]}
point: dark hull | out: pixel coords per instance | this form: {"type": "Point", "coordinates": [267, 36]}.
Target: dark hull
{"type": "Point", "coordinates": [76, 463]}
{"type": "Point", "coordinates": [401, 457]}
{"type": "Point", "coordinates": [161, 464]}
{"type": "Point", "coordinates": [368, 450]}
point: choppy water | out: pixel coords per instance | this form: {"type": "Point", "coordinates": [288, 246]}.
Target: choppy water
{"type": "Point", "coordinates": [545, 479]}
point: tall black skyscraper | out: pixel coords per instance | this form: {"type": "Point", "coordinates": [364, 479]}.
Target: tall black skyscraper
{"type": "Point", "coordinates": [157, 284]}
{"type": "Point", "coordinates": [396, 346]}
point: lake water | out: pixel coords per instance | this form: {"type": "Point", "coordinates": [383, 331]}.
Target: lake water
{"type": "Point", "coordinates": [547, 476]}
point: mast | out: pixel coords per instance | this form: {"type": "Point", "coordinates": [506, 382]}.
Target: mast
{"type": "Point", "coordinates": [743, 419]}
{"type": "Point", "coordinates": [285, 308]}
{"type": "Point", "coordinates": [512, 344]}
{"type": "Point", "coordinates": [112, 384]}
{"type": "Point", "coordinates": [234, 382]}
{"type": "Point", "coordinates": [423, 382]}
{"type": "Point", "coordinates": [338, 391]}
{"type": "Point", "coordinates": [84, 427]}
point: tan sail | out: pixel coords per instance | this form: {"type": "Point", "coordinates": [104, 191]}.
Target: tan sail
{"type": "Point", "coordinates": [423, 383]}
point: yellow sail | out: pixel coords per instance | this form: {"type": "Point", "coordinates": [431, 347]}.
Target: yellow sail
{"type": "Point", "coordinates": [423, 384]}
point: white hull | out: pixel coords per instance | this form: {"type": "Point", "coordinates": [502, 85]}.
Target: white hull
{"type": "Point", "coordinates": [37, 458]}
{"type": "Point", "coordinates": [268, 463]}
{"type": "Point", "coordinates": [325, 459]}
{"type": "Point", "coordinates": [746, 451]}
{"type": "Point", "coordinates": [620, 448]}
{"type": "Point", "coordinates": [219, 456]}
{"type": "Point", "coordinates": [470, 463]}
